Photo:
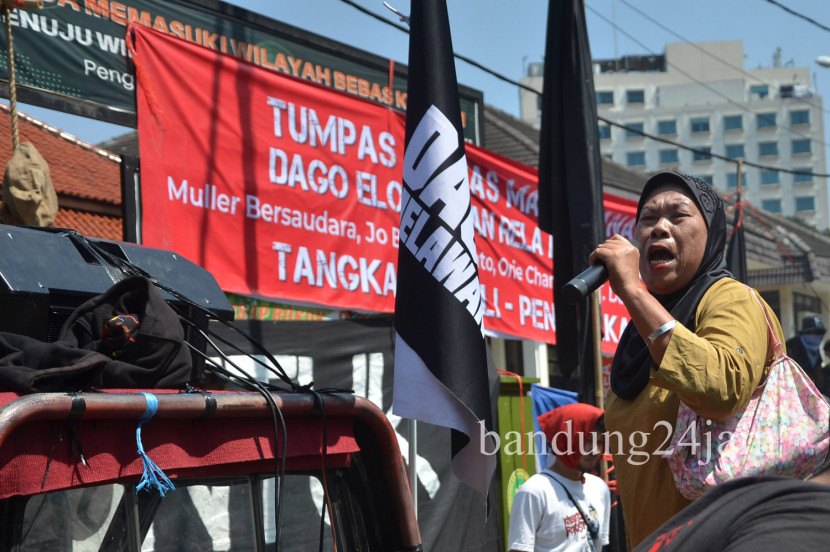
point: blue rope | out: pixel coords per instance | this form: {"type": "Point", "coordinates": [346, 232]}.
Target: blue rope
{"type": "Point", "coordinates": [152, 477]}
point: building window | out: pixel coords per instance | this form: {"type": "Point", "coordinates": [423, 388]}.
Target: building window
{"type": "Point", "coordinates": [800, 117]}
{"type": "Point", "coordinates": [632, 133]}
{"type": "Point", "coordinates": [801, 146]}
{"type": "Point", "coordinates": [767, 148]}
{"type": "Point", "coordinates": [802, 177]}
{"type": "Point", "coordinates": [766, 120]}
{"type": "Point", "coordinates": [668, 156]}
{"type": "Point", "coordinates": [735, 151]}
{"type": "Point", "coordinates": [702, 154]}
{"type": "Point", "coordinates": [605, 98]}
{"type": "Point", "coordinates": [666, 127]}
{"type": "Point", "coordinates": [770, 177]}
{"type": "Point", "coordinates": [635, 96]}
{"type": "Point", "coordinates": [759, 90]}
{"type": "Point", "coordinates": [732, 180]}
{"type": "Point", "coordinates": [733, 122]}
{"type": "Point", "coordinates": [604, 132]}
{"type": "Point", "coordinates": [807, 203]}
{"type": "Point", "coordinates": [771, 205]}
{"type": "Point", "coordinates": [700, 124]}
{"type": "Point", "coordinates": [706, 178]}
{"type": "Point", "coordinates": [635, 158]}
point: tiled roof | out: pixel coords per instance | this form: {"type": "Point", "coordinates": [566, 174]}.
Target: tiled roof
{"type": "Point", "coordinates": [76, 168]}
{"type": "Point", "coordinates": [89, 224]}
{"type": "Point", "coordinates": [510, 137]}
{"type": "Point", "coordinates": [86, 178]}
{"type": "Point", "coordinates": [796, 273]}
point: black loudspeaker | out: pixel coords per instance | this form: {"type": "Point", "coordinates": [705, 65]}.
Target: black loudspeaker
{"type": "Point", "coordinates": [45, 274]}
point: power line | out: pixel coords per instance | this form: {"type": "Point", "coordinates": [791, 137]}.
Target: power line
{"type": "Point", "coordinates": [455, 55]}
{"type": "Point", "coordinates": [802, 16]}
{"type": "Point", "coordinates": [603, 119]}
{"type": "Point", "coordinates": [713, 56]}
{"type": "Point", "coordinates": [622, 126]}
{"type": "Point", "coordinates": [376, 16]}
{"type": "Point", "coordinates": [711, 89]}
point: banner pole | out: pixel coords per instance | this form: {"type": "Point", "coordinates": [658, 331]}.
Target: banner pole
{"type": "Point", "coordinates": [596, 314]}
{"type": "Point", "coordinates": [599, 388]}
{"type": "Point", "coordinates": [413, 459]}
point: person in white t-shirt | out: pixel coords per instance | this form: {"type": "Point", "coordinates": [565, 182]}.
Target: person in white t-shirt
{"type": "Point", "coordinates": [563, 508]}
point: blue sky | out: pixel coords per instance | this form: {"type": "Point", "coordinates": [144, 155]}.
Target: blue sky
{"type": "Point", "coordinates": [505, 35]}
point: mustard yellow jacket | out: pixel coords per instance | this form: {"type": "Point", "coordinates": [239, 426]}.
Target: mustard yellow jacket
{"type": "Point", "coordinates": [714, 371]}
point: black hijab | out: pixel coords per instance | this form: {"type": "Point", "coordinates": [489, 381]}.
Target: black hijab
{"type": "Point", "coordinates": [632, 363]}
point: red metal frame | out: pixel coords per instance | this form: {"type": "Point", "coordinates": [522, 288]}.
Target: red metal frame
{"type": "Point", "coordinates": [172, 405]}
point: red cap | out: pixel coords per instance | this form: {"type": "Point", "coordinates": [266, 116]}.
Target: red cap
{"type": "Point", "coordinates": [583, 419]}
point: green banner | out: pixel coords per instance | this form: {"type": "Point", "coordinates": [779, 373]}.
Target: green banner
{"type": "Point", "coordinates": [73, 55]}
{"type": "Point", "coordinates": [250, 308]}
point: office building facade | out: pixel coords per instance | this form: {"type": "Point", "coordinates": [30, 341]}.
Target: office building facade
{"type": "Point", "coordinates": [700, 96]}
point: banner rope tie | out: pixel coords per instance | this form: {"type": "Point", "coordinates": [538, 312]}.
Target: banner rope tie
{"type": "Point", "coordinates": [152, 476]}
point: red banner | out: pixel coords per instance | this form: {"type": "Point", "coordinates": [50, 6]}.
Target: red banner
{"type": "Point", "coordinates": [287, 190]}
{"type": "Point", "coordinates": [516, 258]}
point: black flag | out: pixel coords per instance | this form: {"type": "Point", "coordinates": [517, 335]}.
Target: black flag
{"type": "Point", "coordinates": [736, 250]}
{"type": "Point", "coordinates": [570, 172]}
{"type": "Point", "coordinates": [440, 355]}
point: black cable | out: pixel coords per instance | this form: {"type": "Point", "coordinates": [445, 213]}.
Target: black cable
{"type": "Point", "coordinates": [376, 16]}
{"type": "Point", "coordinates": [75, 445]}
{"type": "Point", "coordinates": [279, 456]}
{"type": "Point", "coordinates": [107, 259]}
{"type": "Point", "coordinates": [608, 121]}
{"type": "Point", "coordinates": [713, 56]}
{"type": "Point", "coordinates": [710, 88]}
{"type": "Point", "coordinates": [318, 401]}
{"type": "Point", "coordinates": [295, 387]}
{"type": "Point", "coordinates": [33, 518]}
{"type": "Point", "coordinates": [276, 367]}
{"type": "Point", "coordinates": [248, 382]}
{"type": "Point", "coordinates": [280, 476]}
{"type": "Point", "coordinates": [129, 268]}
{"type": "Point", "coordinates": [463, 58]}
{"type": "Point", "coordinates": [82, 242]}
{"type": "Point", "coordinates": [802, 16]}
{"type": "Point", "coordinates": [126, 267]}
{"type": "Point", "coordinates": [55, 438]}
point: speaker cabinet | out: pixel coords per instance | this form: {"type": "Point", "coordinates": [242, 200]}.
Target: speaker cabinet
{"type": "Point", "coordinates": [46, 273]}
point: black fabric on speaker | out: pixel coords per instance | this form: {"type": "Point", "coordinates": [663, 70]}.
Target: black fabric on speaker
{"type": "Point", "coordinates": [156, 357]}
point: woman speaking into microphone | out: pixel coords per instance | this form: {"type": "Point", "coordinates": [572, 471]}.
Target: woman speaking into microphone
{"type": "Point", "coordinates": [696, 335]}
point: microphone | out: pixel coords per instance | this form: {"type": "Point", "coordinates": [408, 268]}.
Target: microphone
{"type": "Point", "coordinates": [584, 283]}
